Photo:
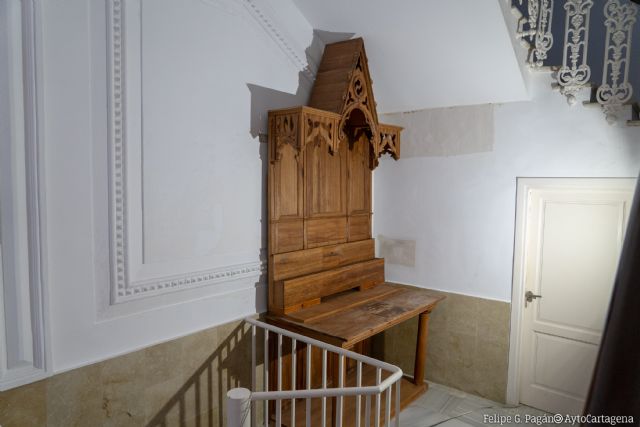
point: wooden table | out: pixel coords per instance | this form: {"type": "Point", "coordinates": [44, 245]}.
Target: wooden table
{"type": "Point", "coordinates": [350, 318]}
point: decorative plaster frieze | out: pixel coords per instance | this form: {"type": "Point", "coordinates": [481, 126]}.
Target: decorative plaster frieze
{"type": "Point", "coordinates": [616, 90]}
{"type": "Point", "coordinates": [117, 160]}
{"type": "Point", "coordinates": [123, 288]}
{"type": "Point", "coordinates": [281, 37]}
{"type": "Point", "coordinates": [191, 280]}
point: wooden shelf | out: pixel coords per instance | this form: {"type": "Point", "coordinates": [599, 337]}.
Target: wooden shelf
{"type": "Point", "coordinates": [349, 318]}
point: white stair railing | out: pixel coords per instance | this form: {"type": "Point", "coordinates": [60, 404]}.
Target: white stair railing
{"type": "Point", "coordinates": [242, 403]}
{"type": "Point", "coordinates": [616, 90]}
{"type": "Point", "coordinates": [575, 72]}
{"type": "Point", "coordinates": [543, 39]}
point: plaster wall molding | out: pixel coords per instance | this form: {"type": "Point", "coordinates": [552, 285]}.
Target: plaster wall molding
{"type": "Point", "coordinates": [124, 286]}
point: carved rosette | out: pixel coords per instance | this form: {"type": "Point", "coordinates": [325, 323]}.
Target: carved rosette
{"type": "Point", "coordinates": [615, 89]}
{"type": "Point", "coordinates": [575, 73]}
{"type": "Point", "coordinates": [543, 38]}
{"type": "Point", "coordinates": [284, 130]}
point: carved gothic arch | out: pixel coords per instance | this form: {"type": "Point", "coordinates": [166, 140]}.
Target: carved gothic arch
{"type": "Point", "coordinates": [342, 87]}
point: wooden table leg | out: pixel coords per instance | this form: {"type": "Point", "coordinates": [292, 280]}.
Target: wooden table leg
{"type": "Point", "coordinates": [421, 348]}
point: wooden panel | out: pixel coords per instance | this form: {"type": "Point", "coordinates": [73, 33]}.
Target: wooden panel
{"type": "Point", "coordinates": [325, 180]}
{"type": "Point", "coordinates": [326, 231]}
{"type": "Point", "coordinates": [318, 285]}
{"type": "Point", "coordinates": [276, 299]}
{"type": "Point", "coordinates": [359, 182]}
{"type": "Point", "coordinates": [293, 264]}
{"type": "Point", "coordinates": [287, 236]}
{"type": "Point", "coordinates": [359, 227]}
{"type": "Point", "coordinates": [287, 185]}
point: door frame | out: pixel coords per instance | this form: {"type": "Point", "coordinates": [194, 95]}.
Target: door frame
{"type": "Point", "coordinates": [523, 187]}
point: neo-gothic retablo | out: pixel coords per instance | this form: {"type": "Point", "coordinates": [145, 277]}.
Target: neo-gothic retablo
{"type": "Point", "coordinates": [324, 278]}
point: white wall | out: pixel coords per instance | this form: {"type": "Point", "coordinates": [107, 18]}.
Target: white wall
{"type": "Point", "coordinates": [430, 53]}
{"type": "Point", "coordinates": [460, 209]}
{"type": "Point", "coordinates": [194, 82]}
{"type": "Point", "coordinates": [22, 355]}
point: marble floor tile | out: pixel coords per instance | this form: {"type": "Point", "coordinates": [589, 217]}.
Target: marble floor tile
{"type": "Point", "coordinates": [447, 407]}
{"type": "Point", "coordinates": [416, 416]}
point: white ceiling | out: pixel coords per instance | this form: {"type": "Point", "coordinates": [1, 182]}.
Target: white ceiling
{"type": "Point", "coordinates": [428, 53]}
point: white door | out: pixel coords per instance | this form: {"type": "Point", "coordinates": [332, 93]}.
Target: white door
{"type": "Point", "coordinates": [574, 230]}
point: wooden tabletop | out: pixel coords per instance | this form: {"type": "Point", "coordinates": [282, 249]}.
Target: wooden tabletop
{"type": "Point", "coordinates": [349, 318]}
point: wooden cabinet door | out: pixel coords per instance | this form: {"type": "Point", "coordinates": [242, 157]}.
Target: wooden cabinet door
{"type": "Point", "coordinates": [287, 192]}
{"type": "Point", "coordinates": [326, 195]}
{"type": "Point", "coordinates": [359, 190]}
{"type": "Point", "coordinates": [326, 181]}
{"type": "Point", "coordinates": [359, 180]}
{"type": "Point", "coordinates": [286, 185]}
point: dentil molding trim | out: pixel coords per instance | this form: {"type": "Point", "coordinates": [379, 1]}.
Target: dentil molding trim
{"type": "Point", "coordinates": [281, 37]}
{"type": "Point", "coordinates": [122, 287]}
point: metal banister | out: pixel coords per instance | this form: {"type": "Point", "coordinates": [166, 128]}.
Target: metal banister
{"type": "Point", "coordinates": [240, 402]}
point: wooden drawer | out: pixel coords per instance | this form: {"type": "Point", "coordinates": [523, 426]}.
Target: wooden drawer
{"type": "Point", "coordinates": [300, 263]}
{"type": "Point", "coordinates": [302, 291]}
{"type": "Point", "coordinates": [287, 236]}
{"type": "Point", "coordinates": [359, 227]}
{"type": "Point", "coordinates": [325, 231]}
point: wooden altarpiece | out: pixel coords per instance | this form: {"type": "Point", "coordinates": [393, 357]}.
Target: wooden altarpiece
{"type": "Point", "coordinates": [324, 278]}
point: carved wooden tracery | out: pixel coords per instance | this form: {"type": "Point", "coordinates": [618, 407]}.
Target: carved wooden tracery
{"type": "Point", "coordinates": [285, 130]}
{"type": "Point", "coordinates": [300, 126]}
{"type": "Point", "coordinates": [390, 140]}
{"type": "Point", "coordinates": [328, 125]}
{"type": "Point", "coordinates": [320, 127]}
{"type": "Point", "coordinates": [360, 97]}
{"type": "Point", "coordinates": [320, 170]}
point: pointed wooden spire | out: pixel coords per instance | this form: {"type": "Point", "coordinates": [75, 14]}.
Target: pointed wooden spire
{"type": "Point", "coordinates": [343, 85]}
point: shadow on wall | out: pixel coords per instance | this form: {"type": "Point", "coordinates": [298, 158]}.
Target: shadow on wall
{"type": "Point", "coordinates": [264, 99]}
{"type": "Point", "coordinates": [201, 400]}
